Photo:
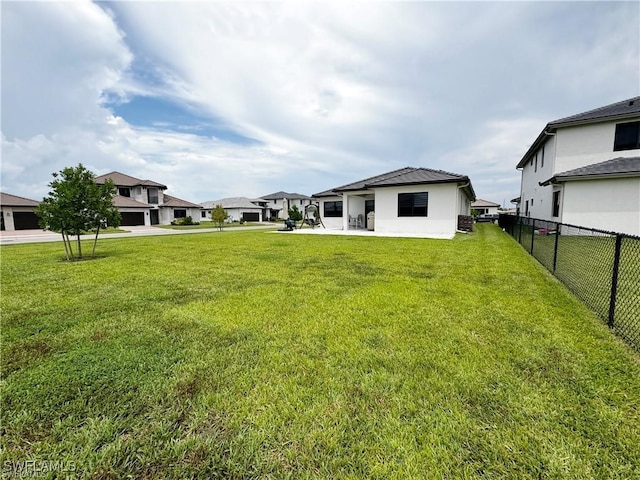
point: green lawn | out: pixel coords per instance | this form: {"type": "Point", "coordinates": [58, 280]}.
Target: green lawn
{"type": "Point", "coordinates": [209, 224]}
{"type": "Point", "coordinates": [252, 354]}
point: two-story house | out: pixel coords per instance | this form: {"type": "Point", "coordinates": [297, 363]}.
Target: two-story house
{"type": "Point", "coordinates": [585, 170]}
{"type": "Point", "coordinates": [144, 202]}
{"type": "Point", "coordinates": [278, 204]}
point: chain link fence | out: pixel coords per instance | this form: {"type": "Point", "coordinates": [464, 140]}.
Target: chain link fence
{"type": "Point", "coordinates": [601, 268]}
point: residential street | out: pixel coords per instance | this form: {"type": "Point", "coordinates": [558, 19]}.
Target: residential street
{"type": "Point", "coordinates": [39, 236]}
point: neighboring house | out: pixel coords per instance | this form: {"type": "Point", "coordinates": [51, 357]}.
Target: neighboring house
{"type": "Point", "coordinates": [237, 208]}
{"type": "Point", "coordinates": [279, 203]}
{"type": "Point", "coordinates": [143, 202]}
{"type": "Point", "coordinates": [410, 201]}
{"type": "Point", "coordinates": [17, 213]}
{"type": "Point", "coordinates": [485, 207]}
{"type": "Point", "coordinates": [584, 170]}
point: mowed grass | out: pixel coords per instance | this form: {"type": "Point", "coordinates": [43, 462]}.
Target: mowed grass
{"type": "Point", "coordinates": [274, 355]}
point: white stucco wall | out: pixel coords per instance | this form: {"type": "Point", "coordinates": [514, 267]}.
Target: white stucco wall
{"type": "Point", "coordinates": [334, 223]}
{"type": "Point", "coordinates": [538, 198]}
{"type": "Point", "coordinates": [590, 203]}
{"type": "Point", "coordinates": [442, 211]}
{"type": "Point", "coordinates": [166, 215]}
{"type": "Point", "coordinates": [587, 144]}
{"type": "Point", "coordinates": [570, 148]}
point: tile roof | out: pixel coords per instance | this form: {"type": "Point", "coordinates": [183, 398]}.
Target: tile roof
{"type": "Point", "coordinates": [170, 201]}
{"type": "Point", "coordinates": [484, 203]}
{"type": "Point", "coordinates": [631, 106]}
{"type": "Point", "coordinates": [287, 195]}
{"type": "Point", "coordinates": [231, 202]}
{"type": "Point", "coordinates": [126, 202]}
{"type": "Point", "coordinates": [402, 176]}
{"type": "Point", "coordinates": [122, 180]}
{"type": "Point", "coordinates": [15, 201]}
{"type": "Point", "coordinates": [614, 168]}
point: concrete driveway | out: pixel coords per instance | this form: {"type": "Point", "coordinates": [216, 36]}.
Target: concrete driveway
{"type": "Point", "coordinates": [40, 236]}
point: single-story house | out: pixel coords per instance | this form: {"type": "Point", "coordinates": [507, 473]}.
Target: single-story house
{"type": "Point", "coordinates": [17, 213]}
{"type": "Point", "coordinates": [485, 207]}
{"type": "Point", "coordinates": [420, 202]}
{"type": "Point", "coordinates": [143, 202]}
{"type": "Point", "coordinates": [237, 208]}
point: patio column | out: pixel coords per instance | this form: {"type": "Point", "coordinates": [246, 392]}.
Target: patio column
{"type": "Point", "coordinates": [345, 211]}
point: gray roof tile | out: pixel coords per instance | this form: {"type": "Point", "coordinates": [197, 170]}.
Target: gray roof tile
{"type": "Point", "coordinates": [402, 176]}
{"type": "Point", "coordinates": [621, 166]}
{"type": "Point", "coordinates": [631, 106]}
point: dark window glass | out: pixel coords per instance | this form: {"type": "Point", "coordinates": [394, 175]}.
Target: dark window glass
{"type": "Point", "coordinates": [203, 214]}
{"type": "Point", "coordinates": [179, 213]}
{"type": "Point", "coordinates": [333, 209]}
{"type": "Point", "coordinates": [413, 204]}
{"type": "Point", "coordinates": [627, 136]}
{"type": "Point", "coordinates": [152, 195]}
{"type": "Point", "coordinates": [369, 206]}
{"type": "Point", "coordinates": [125, 192]}
{"type": "Point", "coordinates": [542, 156]}
{"type": "Point", "coordinates": [556, 203]}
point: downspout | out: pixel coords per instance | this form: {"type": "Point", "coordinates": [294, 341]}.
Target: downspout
{"type": "Point", "coordinates": [459, 187]}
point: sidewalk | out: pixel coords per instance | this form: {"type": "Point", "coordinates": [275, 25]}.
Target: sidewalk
{"type": "Point", "coordinates": [15, 237]}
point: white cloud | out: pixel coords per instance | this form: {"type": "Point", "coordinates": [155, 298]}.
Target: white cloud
{"type": "Point", "coordinates": [331, 92]}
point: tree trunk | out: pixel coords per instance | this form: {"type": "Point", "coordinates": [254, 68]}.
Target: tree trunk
{"type": "Point", "coordinates": [95, 240]}
{"type": "Point", "coordinates": [79, 245]}
{"type": "Point", "coordinates": [66, 249]}
{"type": "Point", "coordinates": [68, 240]}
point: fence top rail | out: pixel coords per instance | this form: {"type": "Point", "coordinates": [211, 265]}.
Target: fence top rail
{"type": "Point", "coordinates": [597, 230]}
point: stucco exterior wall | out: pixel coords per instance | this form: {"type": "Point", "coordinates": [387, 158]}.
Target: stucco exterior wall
{"type": "Point", "coordinates": [166, 215]}
{"type": "Point", "coordinates": [589, 203]}
{"type": "Point", "coordinates": [334, 223]}
{"type": "Point", "coordinates": [587, 144]}
{"type": "Point", "coordinates": [537, 198]}
{"type": "Point", "coordinates": [442, 211]}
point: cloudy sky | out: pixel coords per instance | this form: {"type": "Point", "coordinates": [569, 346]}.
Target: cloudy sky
{"type": "Point", "coordinates": [218, 99]}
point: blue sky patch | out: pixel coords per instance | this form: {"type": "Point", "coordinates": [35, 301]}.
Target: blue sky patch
{"type": "Point", "coordinates": [162, 114]}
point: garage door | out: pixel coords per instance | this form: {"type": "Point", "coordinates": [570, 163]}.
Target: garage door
{"type": "Point", "coordinates": [251, 217]}
{"type": "Point", "coordinates": [25, 221]}
{"type": "Point", "coordinates": [130, 219]}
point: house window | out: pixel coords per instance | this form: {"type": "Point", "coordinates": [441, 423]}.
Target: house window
{"type": "Point", "coordinates": [333, 209]}
{"type": "Point", "coordinates": [179, 213]}
{"type": "Point", "coordinates": [526, 208]}
{"type": "Point", "coordinates": [627, 136]}
{"type": "Point", "coordinates": [124, 191]}
{"type": "Point", "coordinates": [536, 168]}
{"type": "Point", "coordinates": [542, 156]}
{"type": "Point", "coordinates": [203, 214]}
{"type": "Point", "coordinates": [152, 195]}
{"type": "Point", "coordinates": [556, 203]}
{"type": "Point", "coordinates": [413, 204]}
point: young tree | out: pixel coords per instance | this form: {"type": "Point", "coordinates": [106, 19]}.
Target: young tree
{"type": "Point", "coordinates": [218, 215]}
{"type": "Point", "coordinates": [77, 204]}
{"type": "Point", "coordinates": [295, 214]}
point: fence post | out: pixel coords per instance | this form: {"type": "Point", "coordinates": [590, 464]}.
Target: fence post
{"type": "Point", "coordinates": [555, 248]}
{"type": "Point", "coordinates": [614, 281]}
{"type": "Point", "coordinates": [533, 231]}
{"type": "Point", "coordinates": [520, 230]}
